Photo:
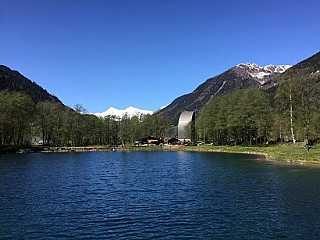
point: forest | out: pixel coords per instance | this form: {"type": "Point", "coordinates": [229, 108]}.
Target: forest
{"type": "Point", "coordinates": [23, 123]}
{"type": "Point", "coordinates": [258, 116]}
{"type": "Point", "coordinates": [252, 116]}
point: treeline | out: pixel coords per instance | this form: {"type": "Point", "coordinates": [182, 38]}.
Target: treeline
{"type": "Point", "coordinates": [22, 123]}
{"type": "Point", "coordinates": [245, 116]}
{"type": "Point", "coordinates": [251, 116]}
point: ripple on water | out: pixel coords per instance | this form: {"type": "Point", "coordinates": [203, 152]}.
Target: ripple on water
{"type": "Point", "coordinates": [155, 195]}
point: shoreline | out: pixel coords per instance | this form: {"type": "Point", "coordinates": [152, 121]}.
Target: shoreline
{"type": "Point", "coordinates": [278, 154]}
{"type": "Point", "coordinates": [285, 153]}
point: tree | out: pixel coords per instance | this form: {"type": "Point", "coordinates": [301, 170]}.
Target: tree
{"type": "Point", "coordinates": [136, 129]}
{"type": "Point", "coordinates": [241, 116]}
{"type": "Point", "coordinates": [297, 103]}
{"type": "Point", "coordinates": [51, 121]}
{"type": "Point", "coordinates": [110, 130]}
{"type": "Point", "coordinates": [16, 112]}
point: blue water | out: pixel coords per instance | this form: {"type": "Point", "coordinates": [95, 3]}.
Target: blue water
{"type": "Point", "coordinates": [148, 195]}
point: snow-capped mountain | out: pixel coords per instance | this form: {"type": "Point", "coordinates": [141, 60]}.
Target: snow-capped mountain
{"type": "Point", "coordinates": [262, 73]}
{"type": "Point", "coordinates": [243, 75]}
{"type": "Point", "coordinates": [130, 111]}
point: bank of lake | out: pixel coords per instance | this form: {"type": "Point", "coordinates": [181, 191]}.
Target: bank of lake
{"type": "Point", "coordinates": [282, 152]}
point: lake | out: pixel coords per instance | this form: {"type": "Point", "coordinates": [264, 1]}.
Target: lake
{"type": "Point", "coordinates": [147, 195]}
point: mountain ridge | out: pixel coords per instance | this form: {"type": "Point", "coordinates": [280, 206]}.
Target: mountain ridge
{"type": "Point", "coordinates": [243, 75]}
{"type": "Point", "coordinates": [12, 80]}
{"type": "Point", "coordinates": [129, 111]}
{"type": "Point", "coordinates": [262, 73]}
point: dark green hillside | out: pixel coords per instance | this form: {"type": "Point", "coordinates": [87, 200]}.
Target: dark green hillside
{"type": "Point", "coordinates": [290, 112]}
{"type": "Point", "coordinates": [297, 100]}
{"type": "Point", "coordinates": [13, 81]}
{"type": "Point", "coordinates": [30, 116]}
{"type": "Point", "coordinates": [242, 76]}
{"type": "Point", "coordinates": [224, 83]}
{"type": "Point", "coordinates": [309, 68]}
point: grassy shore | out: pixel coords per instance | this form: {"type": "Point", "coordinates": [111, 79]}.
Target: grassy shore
{"type": "Point", "coordinates": [285, 152]}
{"type": "Point", "coordinates": [289, 152]}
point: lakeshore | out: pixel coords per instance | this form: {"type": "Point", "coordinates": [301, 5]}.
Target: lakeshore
{"type": "Point", "coordinates": [284, 152]}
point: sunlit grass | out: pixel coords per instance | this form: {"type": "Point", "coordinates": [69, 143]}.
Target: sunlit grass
{"type": "Point", "coordinates": [281, 152]}
{"type": "Point", "coordinates": [288, 152]}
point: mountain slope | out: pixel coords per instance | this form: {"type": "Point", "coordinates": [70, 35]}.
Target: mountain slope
{"type": "Point", "coordinates": [241, 76]}
{"type": "Point", "coordinates": [309, 66]}
{"type": "Point", "coordinates": [306, 68]}
{"type": "Point", "coordinates": [11, 80]}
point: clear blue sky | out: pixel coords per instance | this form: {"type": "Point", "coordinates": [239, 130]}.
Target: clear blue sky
{"type": "Point", "coordinates": [145, 53]}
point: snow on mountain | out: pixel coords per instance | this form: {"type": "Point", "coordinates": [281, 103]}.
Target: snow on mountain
{"type": "Point", "coordinates": [164, 106]}
{"type": "Point", "coordinates": [130, 111]}
{"type": "Point", "coordinates": [262, 73]}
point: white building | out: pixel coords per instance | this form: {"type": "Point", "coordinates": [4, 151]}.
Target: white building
{"type": "Point", "coordinates": [186, 130]}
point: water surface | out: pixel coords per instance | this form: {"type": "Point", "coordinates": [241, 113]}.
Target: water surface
{"type": "Point", "coordinates": [168, 195]}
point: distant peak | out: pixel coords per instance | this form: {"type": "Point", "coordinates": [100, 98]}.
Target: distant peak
{"type": "Point", "coordinates": [248, 64]}
{"type": "Point", "coordinates": [269, 67]}
{"type": "Point", "coordinates": [261, 72]}
{"type": "Point", "coordinates": [130, 111]}
{"type": "Point", "coordinates": [277, 68]}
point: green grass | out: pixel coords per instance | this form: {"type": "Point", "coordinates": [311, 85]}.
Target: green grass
{"type": "Point", "coordinates": [280, 152]}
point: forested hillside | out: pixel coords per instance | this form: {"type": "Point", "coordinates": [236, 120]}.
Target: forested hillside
{"type": "Point", "coordinates": [249, 115]}
{"type": "Point", "coordinates": [303, 69]}
{"type": "Point", "coordinates": [30, 115]}
{"type": "Point", "coordinates": [239, 77]}
{"type": "Point", "coordinates": [290, 112]}
{"type": "Point", "coordinates": [22, 123]}
{"type": "Point", "coordinates": [13, 81]}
